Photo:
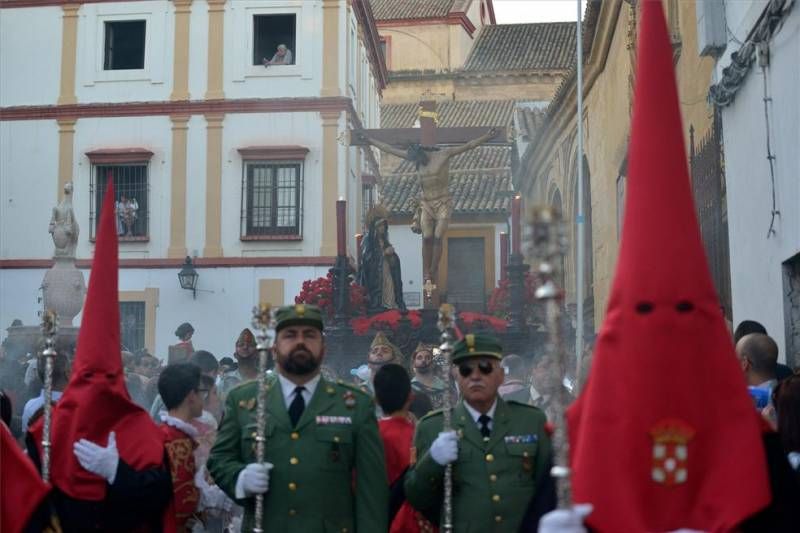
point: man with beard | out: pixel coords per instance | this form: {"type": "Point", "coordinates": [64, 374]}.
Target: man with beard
{"type": "Point", "coordinates": [425, 380]}
{"type": "Point", "coordinates": [247, 361]}
{"type": "Point", "coordinates": [381, 352]}
{"type": "Point", "coordinates": [324, 466]}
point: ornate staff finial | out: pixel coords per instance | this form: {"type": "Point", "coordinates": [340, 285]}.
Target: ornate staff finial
{"type": "Point", "coordinates": [49, 331]}
{"type": "Point", "coordinates": [549, 245]}
{"type": "Point", "coordinates": [263, 321]}
{"type": "Point", "coordinates": [446, 324]}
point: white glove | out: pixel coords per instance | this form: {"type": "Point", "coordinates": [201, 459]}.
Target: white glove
{"type": "Point", "coordinates": [253, 479]}
{"type": "Point", "coordinates": [211, 496]}
{"type": "Point", "coordinates": [444, 449]}
{"type": "Point", "coordinates": [566, 520]}
{"type": "Point", "coordinates": [97, 459]}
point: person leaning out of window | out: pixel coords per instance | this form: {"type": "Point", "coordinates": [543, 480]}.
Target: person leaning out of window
{"type": "Point", "coordinates": [283, 56]}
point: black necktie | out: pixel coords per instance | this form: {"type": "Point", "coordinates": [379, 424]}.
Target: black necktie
{"type": "Point", "coordinates": [298, 405]}
{"type": "Point", "coordinates": [484, 420]}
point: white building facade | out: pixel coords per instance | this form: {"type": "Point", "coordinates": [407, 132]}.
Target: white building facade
{"type": "Point", "coordinates": [758, 93]}
{"type": "Point", "coordinates": [233, 163]}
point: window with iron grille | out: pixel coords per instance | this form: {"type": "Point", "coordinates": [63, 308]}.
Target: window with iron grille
{"type": "Point", "coordinates": [132, 325]}
{"type": "Point", "coordinates": [271, 199]}
{"type": "Point", "coordinates": [130, 202]}
{"type": "Point", "coordinates": [124, 45]}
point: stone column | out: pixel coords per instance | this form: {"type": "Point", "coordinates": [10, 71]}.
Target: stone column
{"type": "Point", "coordinates": [180, 65]}
{"type": "Point", "coordinates": [216, 49]}
{"type": "Point", "coordinates": [330, 181]}
{"type": "Point", "coordinates": [177, 211]}
{"type": "Point", "coordinates": [69, 46]}
{"type": "Point", "coordinates": [66, 148]}
{"type": "Point", "coordinates": [213, 246]}
{"type": "Point", "coordinates": [330, 47]}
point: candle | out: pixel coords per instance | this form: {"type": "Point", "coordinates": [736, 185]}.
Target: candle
{"type": "Point", "coordinates": [516, 227]}
{"type": "Point", "coordinates": [503, 254]}
{"type": "Point", "coordinates": [359, 237]}
{"type": "Point", "coordinates": [341, 227]}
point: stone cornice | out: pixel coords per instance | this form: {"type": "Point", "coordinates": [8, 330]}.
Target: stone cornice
{"type": "Point", "coordinates": [191, 107]}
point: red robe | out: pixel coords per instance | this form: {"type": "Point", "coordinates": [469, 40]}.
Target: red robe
{"type": "Point", "coordinates": [398, 436]}
{"type": "Point", "coordinates": [21, 488]}
{"type": "Point", "coordinates": [180, 448]}
{"type": "Point", "coordinates": [664, 435]}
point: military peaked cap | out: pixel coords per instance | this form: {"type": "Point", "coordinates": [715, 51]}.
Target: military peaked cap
{"type": "Point", "coordinates": [299, 315]}
{"type": "Point", "coordinates": [477, 345]}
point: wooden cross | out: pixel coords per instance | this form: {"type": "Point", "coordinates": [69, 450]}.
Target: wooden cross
{"type": "Point", "coordinates": [428, 133]}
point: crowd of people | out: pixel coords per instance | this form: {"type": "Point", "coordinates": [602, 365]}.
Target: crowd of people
{"type": "Point", "coordinates": [396, 446]}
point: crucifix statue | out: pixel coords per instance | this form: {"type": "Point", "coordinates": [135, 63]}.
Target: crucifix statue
{"type": "Point", "coordinates": [423, 146]}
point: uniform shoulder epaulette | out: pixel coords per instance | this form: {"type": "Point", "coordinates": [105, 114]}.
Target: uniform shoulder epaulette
{"type": "Point", "coordinates": [271, 379]}
{"type": "Point", "coordinates": [354, 388]}
{"type": "Point", "coordinates": [241, 386]}
{"type": "Point", "coordinates": [521, 404]}
{"type": "Point", "coordinates": [432, 414]}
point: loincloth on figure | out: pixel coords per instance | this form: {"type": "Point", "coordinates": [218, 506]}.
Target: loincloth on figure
{"type": "Point", "coordinates": [439, 209]}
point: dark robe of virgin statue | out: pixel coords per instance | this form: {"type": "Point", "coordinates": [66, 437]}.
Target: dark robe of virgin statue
{"type": "Point", "coordinates": [379, 271]}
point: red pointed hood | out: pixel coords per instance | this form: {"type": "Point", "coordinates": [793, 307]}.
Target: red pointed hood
{"type": "Point", "coordinates": [665, 414]}
{"type": "Point", "coordinates": [96, 400]}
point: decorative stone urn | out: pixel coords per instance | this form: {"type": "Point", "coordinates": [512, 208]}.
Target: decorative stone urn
{"type": "Point", "coordinates": [63, 286]}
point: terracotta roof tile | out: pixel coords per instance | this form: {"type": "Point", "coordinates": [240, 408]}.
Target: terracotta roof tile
{"type": "Point", "coordinates": [541, 45]}
{"type": "Point", "coordinates": [464, 113]}
{"type": "Point", "coordinates": [474, 192]}
{"type": "Point", "coordinates": [410, 9]}
{"type": "Point", "coordinates": [480, 158]}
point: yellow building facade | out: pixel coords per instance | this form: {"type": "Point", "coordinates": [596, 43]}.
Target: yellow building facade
{"type": "Point", "coordinates": [549, 170]}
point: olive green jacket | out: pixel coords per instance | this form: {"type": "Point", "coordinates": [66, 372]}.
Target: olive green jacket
{"type": "Point", "coordinates": [494, 481]}
{"type": "Point", "coordinates": [329, 472]}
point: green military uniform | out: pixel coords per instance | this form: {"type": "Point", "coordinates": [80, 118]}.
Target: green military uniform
{"type": "Point", "coordinates": [329, 472]}
{"type": "Point", "coordinates": [494, 479]}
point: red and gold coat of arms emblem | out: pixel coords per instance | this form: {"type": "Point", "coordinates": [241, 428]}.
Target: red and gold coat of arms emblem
{"type": "Point", "coordinates": [671, 451]}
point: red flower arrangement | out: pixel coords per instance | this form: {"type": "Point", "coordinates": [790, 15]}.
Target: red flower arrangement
{"type": "Point", "coordinates": [474, 321]}
{"type": "Point", "coordinates": [319, 292]}
{"type": "Point", "coordinates": [386, 320]}
{"type": "Point", "coordinates": [500, 299]}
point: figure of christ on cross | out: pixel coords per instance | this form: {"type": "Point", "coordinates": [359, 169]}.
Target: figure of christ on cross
{"type": "Point", "coordinates": [432, 164]}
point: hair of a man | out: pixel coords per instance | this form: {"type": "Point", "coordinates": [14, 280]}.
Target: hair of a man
{"type": "Point", "coordinates": [392, 387]}
{"type": "Point", "coordinates": [205, 360]}
{"type": "Point", "coordinates": [514, 364]}
{"type": "Point", "coordinates": [176, 382]}
{"type": "Point", "coordinates": [762, 352]}
{"type": "Point", "coordinates": [746, 327]}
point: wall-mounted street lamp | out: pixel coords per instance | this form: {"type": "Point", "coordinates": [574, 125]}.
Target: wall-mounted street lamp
{"type": "Point", "coordinates": [188, 277]}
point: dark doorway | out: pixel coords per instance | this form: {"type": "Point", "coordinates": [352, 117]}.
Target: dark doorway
{"type": "Point", "coordinates": [466, 274]}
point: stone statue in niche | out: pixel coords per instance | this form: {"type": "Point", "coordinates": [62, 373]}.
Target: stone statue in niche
{"type": "Point", "coordinates": [379, 271]}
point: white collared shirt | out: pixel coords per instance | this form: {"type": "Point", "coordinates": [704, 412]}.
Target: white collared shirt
{"type": "Point", "coordinates": [476, 415]}
{"type": "Point", "coordinates": [288, 387]}
{"type": "Point", "coordinates": [34, 404]}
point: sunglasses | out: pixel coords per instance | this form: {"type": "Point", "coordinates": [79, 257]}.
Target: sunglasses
{"type": "Point", "coordinates": [485, 368]}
